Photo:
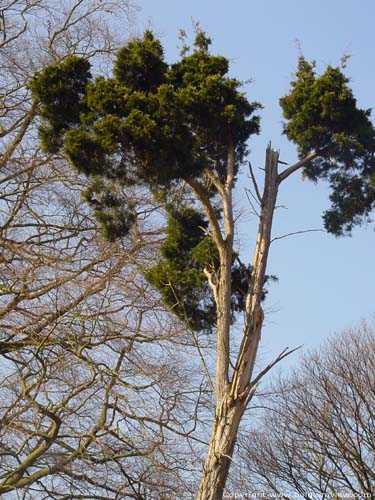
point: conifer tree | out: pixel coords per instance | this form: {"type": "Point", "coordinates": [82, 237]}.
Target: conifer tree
{"type": "Point", "coordinates": [181, 131]}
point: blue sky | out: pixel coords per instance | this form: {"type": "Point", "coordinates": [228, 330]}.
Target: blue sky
{"type": "Point", "coordinates": [325, 284]}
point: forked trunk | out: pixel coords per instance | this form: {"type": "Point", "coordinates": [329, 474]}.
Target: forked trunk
{"type": "Point", "coordinates": [233, 397]}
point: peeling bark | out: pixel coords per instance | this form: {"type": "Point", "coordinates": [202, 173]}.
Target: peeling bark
{"type": "Point", "coordinates": [234, 393]}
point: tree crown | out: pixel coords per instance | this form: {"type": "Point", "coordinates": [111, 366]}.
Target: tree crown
{"type": "Point", "coordinates": [160, 126]}
{"type": "Point", "coordinates": [322, 115]}
{"type": "Point", "coordinates": [154, 125]}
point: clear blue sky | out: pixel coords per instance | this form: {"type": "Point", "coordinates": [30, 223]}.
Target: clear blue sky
{"type": "Point", "coordinates": [325, 284]}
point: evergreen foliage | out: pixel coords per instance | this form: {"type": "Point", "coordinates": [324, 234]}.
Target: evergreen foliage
{"type": "Point", "coordinates": [114, 213]}
{"type": "Point", "coordinates": [153, 124]}
{"type": "Point", "coordinates": [60, 88]}
{"type": "Point", "coordinates": [140, 66]}
{"type": "Point", "coordinates": [156, 125]}
{"type": "Point", "coordinates": [322, 115]}
{"type": "Point", "coordinates": [179, 276]}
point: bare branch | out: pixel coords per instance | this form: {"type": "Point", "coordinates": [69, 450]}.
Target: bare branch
{"type": "Point", "coordinates": [297, 232]}
{"type": "Point", "coordinates": [290, 170]}
{"type": "Point", "coordinates": [286, 352]}
{"type": "Point", "coordinates": [255, 184]}
{"type": "Point", "coordinates": [255, 212]}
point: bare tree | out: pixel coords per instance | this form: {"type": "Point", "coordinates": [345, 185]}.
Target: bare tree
{"type": "Point", "coordinates": [89, 404]}
{"type": "Point", "coordinates": [316, 436]}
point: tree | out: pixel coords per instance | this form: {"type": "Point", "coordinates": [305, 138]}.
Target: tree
{"type": "Point", "coordinates": [316, 438]}
{"type": "Point", "coordinates": [180, 132]}
{"type": "Point", "coordinates": [89, 407]}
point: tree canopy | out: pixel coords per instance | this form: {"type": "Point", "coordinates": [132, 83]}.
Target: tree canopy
{"type": "Point", "coordinates": [322, 116]}
{"type": "Point", "coordinates": [86, 411]}
{"type": "Point", "coordinates": [316, 436]}
{"type": "Point", "coordinates": [156, 124]}
{"type": "Point", "coordinates": [152, 124]}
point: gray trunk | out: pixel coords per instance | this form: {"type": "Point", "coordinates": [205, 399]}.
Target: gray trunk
{"type": "Point", "coordinates": [233, 396]}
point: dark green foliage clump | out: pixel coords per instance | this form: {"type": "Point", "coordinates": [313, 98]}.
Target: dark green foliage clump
{"type": "Point", "coordinates": [60, 90]}
{"type": "Point", "coordinates": [140, 66]}
{"type": "Point", "coordinates": [353, 199]}
{"type": "Point", "coordinates": [216, 108]}
{"type": "Point", "coordinates": [113, 211]}
{"type": "Point", "coordinates": [187, 250]}
{"type": "Point", "coordinates": [322, 115]}
{"type": "Point", "coordinates": [179, 273]}
{"type": "Point", "coordinates": [151, 123]}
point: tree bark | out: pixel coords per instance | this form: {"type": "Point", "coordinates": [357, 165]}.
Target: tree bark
{"type": "Point", "coordinates": [233, 397]}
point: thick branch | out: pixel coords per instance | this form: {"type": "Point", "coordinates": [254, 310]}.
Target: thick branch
{"type": "Point", "coordinates": [215, 181]}
{"type": "Point", "coordinates": [13, 479]}
{"type": "Point", "coordinates": [255, 184]}
{"type": "Point", "coordinates": [20, 134]}
{"type": "Point", "coordinates": [210, 212]}
{"type": "Point", "coordinates": [290, 170]}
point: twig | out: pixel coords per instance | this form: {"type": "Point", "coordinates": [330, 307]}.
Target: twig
{"type": "Point", "coordinates": [297, 232]}
{"type": "Point", "coordinates": [251, 203]}
{"type": "Point", "coordinates": [280, 357]}
{"type": "Point", "coordinates": [255, 184]}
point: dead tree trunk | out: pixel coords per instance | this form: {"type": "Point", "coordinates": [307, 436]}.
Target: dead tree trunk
{"type": "Point", "coordinates": [233, 396]}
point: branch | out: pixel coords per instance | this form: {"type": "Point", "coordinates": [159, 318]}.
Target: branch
{"type": "Point", "coordinates": [297, 232]}
{"type": "Point", "coordinates": [265, 370]}
{"type": "Point", "coordinates": [203, 361]}
{"type": "Point", "coordinates": [215, 181]}
{"type": "Point", "coordinates": [218, 237]}
{"type": "Point", "coordinates": [247, 191]}
{"type": "Point", "coordinates": [195, 339]}
{"type": "Point", "coordinates": [209, 275]}
{"type": "Point", "coordinates": [255, 184]}
{"type": "Point", "coordinates": [19, 136]}
{"type": "Point", "coordinates": [290, 170]}
{"type": "Point", "coordinates": [15, 478]}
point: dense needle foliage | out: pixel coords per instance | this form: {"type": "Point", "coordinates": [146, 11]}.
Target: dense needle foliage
{"type": "Point", "coordinates": [187, 250]}
{"type": "Point", "coordinates": [160, 125]}
{"type": "Point", "coordinates": [154, 125]}
{"type": "Point", "coordinates": [150, 123]}
{"type": "Point", "coordinates": [322, 115]}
